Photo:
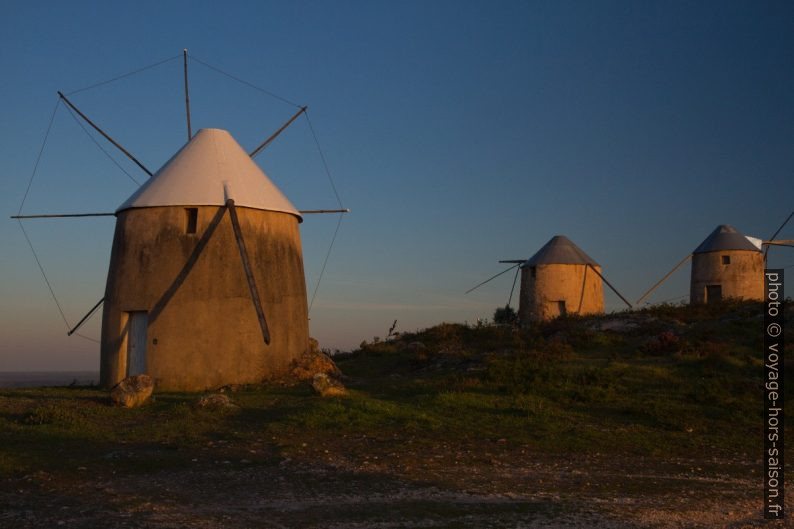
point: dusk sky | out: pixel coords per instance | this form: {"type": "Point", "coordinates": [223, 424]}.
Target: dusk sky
{"type": "Point", "coordinates": [459, 133]}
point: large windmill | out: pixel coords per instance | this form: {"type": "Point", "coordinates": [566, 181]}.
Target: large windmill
{"type": "Point", "coordinates": [559, 279]}
{"type": "Point", "coordinates": [206, 284]}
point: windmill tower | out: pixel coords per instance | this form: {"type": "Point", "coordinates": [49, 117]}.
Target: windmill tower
{"type": "Point", "coordinates": [178, 296]}
{"type": "Point", "coordinates": [559, 279]}
{"type": "Point", "coordinates": [206, 284]}
{"type": "Point", "coordinates": [726, 265]}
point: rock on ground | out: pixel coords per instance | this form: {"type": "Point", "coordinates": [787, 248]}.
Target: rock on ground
{"type": "Point", "coordinates": [132, 391]}
{"type": "Point", "coordinates": [327, 386]}
{"type": "Point", "coordinates": [312, 362]}
{"type": "Point", "coordinates": [216, 400]}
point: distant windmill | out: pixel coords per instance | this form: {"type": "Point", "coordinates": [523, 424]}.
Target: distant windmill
{"type": "Point", "coordinates": [559, 279]}
{"type": "Point", "coordinates": [193, 299]}
{"type": "Point", "coordinates": [727, 264]}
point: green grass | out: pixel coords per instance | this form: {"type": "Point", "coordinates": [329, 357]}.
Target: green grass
{"type": "Point", "coordinates": [685, 382]}
{"type": "Point", "coordinates": [686, 378]}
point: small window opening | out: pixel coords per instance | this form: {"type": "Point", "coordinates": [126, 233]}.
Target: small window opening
{"type": "Point", "coordinates": [191, 215]}
{"type": "Point", "coordinates": [726, 259]}
{"type": "Point", "coordinates": [533, 272]}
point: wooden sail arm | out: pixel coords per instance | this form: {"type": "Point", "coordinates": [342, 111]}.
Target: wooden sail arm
{"type": "Point", "coordinates": [103, 133]}
{"type": "Point", "coordinates": [513, 288]}
{"type": "Point", "coordinates": [581, 294]}
{"type": "Point", "coordinates": [161, 303]}
{"type": "Point", "coordinates": [187, 96]}
{"type": "Point", "coordinates": [62, 215]}
{"type": "Point", "coordinates": [772, 238]}
{"type": "Point", "coordinates": [312, 211]}
{"type": "Point", "coordinates": [610, 285]}
{"type": "Point", "coordinates": [662, 280]}
{"type": "Point", "coordinates": [275, 134]}
{"type": "Point", "coordinates": [85, 318]}
{"type": "Point", "coordinates": [490, 278]}
{"type": "Point", "coordinates": [68, 215]}
{"type": "Point", "coordinates": [249, 275]}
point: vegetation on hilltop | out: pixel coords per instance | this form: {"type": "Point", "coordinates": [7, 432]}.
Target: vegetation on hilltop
{"type": "Point", "coordinates": [667, 379]}
{"type": "Point", "coordinates": [466, 407]}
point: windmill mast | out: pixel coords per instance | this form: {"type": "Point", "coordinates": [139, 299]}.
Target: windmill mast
{"type": "Point", "coordinates": [187, 96]}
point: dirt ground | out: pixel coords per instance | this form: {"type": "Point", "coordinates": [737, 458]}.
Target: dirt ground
{"type": "Point", "coordinates": [368, 482]}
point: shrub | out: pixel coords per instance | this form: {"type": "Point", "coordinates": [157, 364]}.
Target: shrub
{"type": "Point", "coordinates": [664, 342]}
{"type": "Point", "coordinates": [505, 315]}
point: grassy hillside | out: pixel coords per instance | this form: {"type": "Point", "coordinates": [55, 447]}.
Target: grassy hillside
{"type": "Point", "coordinates": [453, 405]}
{"type": "Point", "coordinates": [668, 380]}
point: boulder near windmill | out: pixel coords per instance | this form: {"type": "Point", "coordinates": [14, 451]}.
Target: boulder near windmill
{"type": "Point", "coordinates": [206, 283]}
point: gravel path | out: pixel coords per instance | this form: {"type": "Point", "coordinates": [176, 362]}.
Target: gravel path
{"type": "Point", "coordinates": [269, 490]}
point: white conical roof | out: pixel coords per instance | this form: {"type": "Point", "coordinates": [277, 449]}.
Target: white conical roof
{"type": "Point", "coordinates": [208, 170]}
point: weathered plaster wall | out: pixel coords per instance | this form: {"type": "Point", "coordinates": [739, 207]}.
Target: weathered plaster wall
{"type": "Point", "coordinates": [207, 334]}
{"type": "Point", "coordinates": [742, 278]}
{"type": "Point", "coordinates": [578, 286]}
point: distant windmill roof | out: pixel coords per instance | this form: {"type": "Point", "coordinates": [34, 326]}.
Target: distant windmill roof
{"type": "Point", "coordinates": [210, 168]}
{"type": "Point", "coordinates": [725, 237]}
{"type": "Point", "coordinates": [560, 250]}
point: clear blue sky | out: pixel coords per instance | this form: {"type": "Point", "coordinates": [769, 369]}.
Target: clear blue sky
{"type": "Point", "coordinates": [459, 133]}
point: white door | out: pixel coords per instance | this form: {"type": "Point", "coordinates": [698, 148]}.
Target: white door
{"type": "Point", "coordinates": [136, 343]}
